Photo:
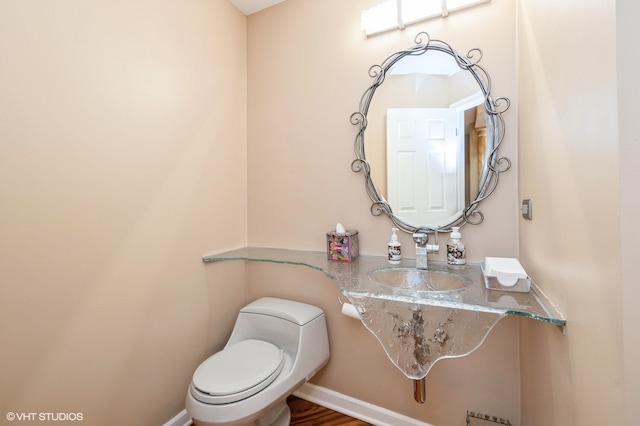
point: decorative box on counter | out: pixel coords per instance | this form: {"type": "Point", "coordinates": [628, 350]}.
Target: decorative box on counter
{"type": "Point", "coordinates": [342, 246]}
{"type": "Point", "coordinates": [503, 273]}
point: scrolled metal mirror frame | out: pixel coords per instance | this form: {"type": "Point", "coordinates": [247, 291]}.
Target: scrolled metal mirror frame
{"type": "Point", "coordinates": [493, 166]}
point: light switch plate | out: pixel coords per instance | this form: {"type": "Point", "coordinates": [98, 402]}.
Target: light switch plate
{"type": "Point", "coordinates": [527, 209]}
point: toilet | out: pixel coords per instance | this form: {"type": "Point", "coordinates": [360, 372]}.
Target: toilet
{"type": "Point", "coordinates": [276, 346]}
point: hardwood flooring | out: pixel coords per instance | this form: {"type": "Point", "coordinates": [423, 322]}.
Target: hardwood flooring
{"type": "Point", "coordinates": [305, 413]}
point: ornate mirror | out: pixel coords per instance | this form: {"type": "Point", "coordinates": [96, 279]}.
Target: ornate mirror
{"type": "Point", "coordinates": [432, 135]}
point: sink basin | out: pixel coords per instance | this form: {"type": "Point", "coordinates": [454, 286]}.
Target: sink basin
{"type": "Point", "coordinates": [420, 279]}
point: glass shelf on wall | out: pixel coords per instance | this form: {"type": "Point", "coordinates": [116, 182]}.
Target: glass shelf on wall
{"type": "Point", "coordinates": [415, 328]}
{"type": "Point", "coordinates": [354, 282]}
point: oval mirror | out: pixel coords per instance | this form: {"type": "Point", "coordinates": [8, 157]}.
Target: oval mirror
{"type": "Point", "coordinates": [432, 135]}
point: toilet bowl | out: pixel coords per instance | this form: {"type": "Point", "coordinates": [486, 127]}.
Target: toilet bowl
{"type": "Point", "coordinates": [275, 347]}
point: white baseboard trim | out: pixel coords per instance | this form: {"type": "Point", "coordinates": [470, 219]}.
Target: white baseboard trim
{"type": "Point", "coordinates": [354, 407]}
{"type": "Point", "coordinates": [181, 419]}
{"type": "Point", "coordinates": [337, 402]}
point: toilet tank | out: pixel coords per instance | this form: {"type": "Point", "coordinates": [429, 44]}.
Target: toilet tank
{"type": "Point", "coordinates": [284, 323]}
{"type": "Point", "coordinates": [296, 312]}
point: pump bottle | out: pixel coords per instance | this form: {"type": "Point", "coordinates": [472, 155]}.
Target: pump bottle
{"type": "Point", "coordinates": [456, 256]}
{"type": "Point", "coordinates": [395, 248]}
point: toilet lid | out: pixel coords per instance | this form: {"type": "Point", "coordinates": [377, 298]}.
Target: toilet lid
{"type": "Point", "coordinates": [239, 371]}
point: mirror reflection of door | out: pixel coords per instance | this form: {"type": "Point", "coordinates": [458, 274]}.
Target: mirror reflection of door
{"type": "Point", "coordinates": [471, 118]}
{"type": "Point", "coordinates": [425, 164]}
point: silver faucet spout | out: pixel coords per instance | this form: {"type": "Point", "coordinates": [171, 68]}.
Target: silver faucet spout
{"type": "Point", "coordinates": [423, 249]}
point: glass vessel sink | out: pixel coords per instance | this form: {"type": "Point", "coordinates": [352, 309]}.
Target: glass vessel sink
{"type": "Point", "coordinates": [420, 280]}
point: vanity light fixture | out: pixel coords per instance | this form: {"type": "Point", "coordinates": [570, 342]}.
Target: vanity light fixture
{"type": "Point", "coordinates": [396, 14]}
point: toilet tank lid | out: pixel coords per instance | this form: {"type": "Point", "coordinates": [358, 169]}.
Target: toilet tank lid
{"type": "Point", "coordinates": [296, 312]}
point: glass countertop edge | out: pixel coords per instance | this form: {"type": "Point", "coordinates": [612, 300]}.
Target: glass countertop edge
{"type": "Point", "coordinates": [255, 254]}
{"type": "Point", "coordinates": [318, 260]}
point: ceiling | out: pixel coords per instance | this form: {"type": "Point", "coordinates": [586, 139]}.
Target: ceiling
{"type": "Point", "coordinates": [251, 6]}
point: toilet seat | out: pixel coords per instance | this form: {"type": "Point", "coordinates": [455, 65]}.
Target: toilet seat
{"type": "Point", "coordinates": [237, 372]}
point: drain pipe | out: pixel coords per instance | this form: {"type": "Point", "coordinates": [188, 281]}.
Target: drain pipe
{"type": "Point", "coordinates": [420, 390]}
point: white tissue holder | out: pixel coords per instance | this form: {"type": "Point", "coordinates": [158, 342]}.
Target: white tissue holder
{"type": "Point", "coordinates": [506, 274]}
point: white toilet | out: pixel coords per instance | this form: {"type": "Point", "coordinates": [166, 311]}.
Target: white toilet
{"type": "Point", "coordinates": [275, 347]}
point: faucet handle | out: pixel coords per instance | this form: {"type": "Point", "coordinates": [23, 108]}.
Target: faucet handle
{"type": "Point", "coordinates": [421, 238]}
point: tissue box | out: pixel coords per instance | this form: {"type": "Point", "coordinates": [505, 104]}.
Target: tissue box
{"type": "Point", "coordinates": [502, 273]}
{"type": "Point", "coordinates": [343, 247]}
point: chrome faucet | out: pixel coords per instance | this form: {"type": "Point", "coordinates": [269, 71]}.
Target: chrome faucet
{"type": "Point", "coordinates": [421, 237]}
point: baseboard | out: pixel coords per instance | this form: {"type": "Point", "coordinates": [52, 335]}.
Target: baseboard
{"type": "Point", "coordinates": [181, 419]}
{"type": "Point", "coordinates": [337, 402]}
{"type": "Point", "coordinates": [354, 407]}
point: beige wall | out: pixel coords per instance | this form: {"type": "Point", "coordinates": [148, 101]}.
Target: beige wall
{"type": "Point", "coordinates": [569, 157]}
{"type": "Point", "coordinates": [308, 68]}
{"type": "Point", "coordinates": [308, 63]}
{"type": "Point", "coordinates": [122, 160]}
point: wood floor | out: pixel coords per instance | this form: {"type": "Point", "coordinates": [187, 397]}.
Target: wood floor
{"type": "Point", "coordinates": [305, 413]}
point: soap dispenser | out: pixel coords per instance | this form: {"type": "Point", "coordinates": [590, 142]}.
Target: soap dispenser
{"type": "Point", "coordinates": [456, 257]}
{"type": "Point", "coordinates": [395, 248]}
